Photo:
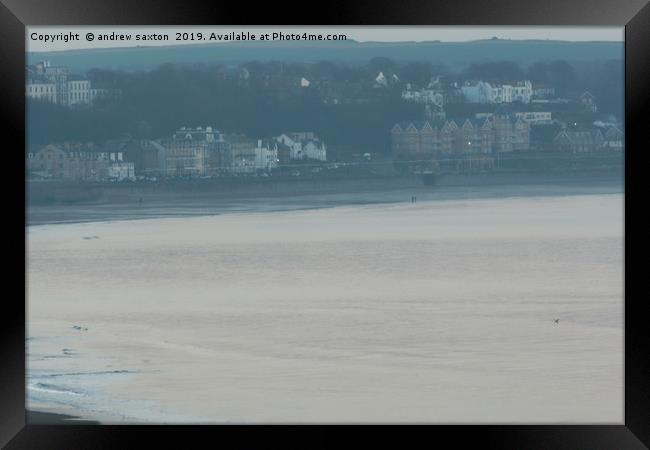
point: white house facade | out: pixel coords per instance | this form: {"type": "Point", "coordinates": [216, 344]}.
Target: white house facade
{"type": "Point", "coordinates": [266, 155]}
{"type": "Point", "coordinates": [536, 117]}
{"type": "Point", "coordinates": [79, 92]}
{"type": "Point", "coordinates": [315, 150]}
{"type": "Point", "coordinates": [303, 145]}
{"type": "Point", "coordinates": [479, 92]}
{"type": "Point", "coordinates": [41, 91]}
{"type": "Point", "coordinates": [483, 92]}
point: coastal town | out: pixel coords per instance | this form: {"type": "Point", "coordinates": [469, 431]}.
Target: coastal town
{"type": "Point", "coordinates": [454, 124]}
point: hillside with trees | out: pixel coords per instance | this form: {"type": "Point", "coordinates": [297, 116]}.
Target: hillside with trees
{"type": "Point", "coordinates": [343, 104]}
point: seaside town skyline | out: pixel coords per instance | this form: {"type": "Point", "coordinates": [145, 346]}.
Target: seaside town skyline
{"type": "Point", "coordinates": [474, 119]}
{"type": "Point", "coordinates": [315, 232]}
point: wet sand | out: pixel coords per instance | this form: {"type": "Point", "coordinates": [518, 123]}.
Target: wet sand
{"type": "Point", "coordinates": [186, 199]}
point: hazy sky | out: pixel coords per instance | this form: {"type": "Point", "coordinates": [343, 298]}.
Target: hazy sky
{"type": "Point", "coordinates": [368, 33]}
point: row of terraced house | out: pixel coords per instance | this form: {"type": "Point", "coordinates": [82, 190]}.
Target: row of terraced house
{"type": "Point", "coordinates": [485, 134]}
{"type": "Point", "coordinates": [206, 151]}
{"type": "Point", "coordinates": [79, 161]}
{"type": "Point", "coordinates": [188, 152]}
{"type": "Point", "coordinates": [439, 138]}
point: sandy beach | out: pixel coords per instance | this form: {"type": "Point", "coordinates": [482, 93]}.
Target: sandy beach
{"type": "Point", "coordinates": [441, 311]}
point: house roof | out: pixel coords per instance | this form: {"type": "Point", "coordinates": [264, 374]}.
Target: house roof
{"type": "Point", "coordinates": [580, 137]}
{"type": "Point", "coordinates": [475, 122]}
{"type": "Point", "coordinates": [157, 145]}
{"type": "Point", "coordinates": [440, 123]}
{"type": "Point", "coordinates": [417, 124]}
{"type": "Point", "coordinates": [198, 132]}
{"type": "Point", "coordinates": [613, 131]}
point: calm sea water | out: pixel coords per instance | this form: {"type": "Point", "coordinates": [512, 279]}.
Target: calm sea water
{"type": "Point", "coordinates": [439, 311]}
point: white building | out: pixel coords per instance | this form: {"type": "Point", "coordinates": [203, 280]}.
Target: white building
{"type": "Point", "coordinates": [54, 84]}
{"type": "Point", "coordinates": [530, 117]}
{"type": "Point", "coordinates": [483, 92]}
{"type": "Point", "coordinates": [543, 91]}
{"type": "Point", "coordinates": [536, 117]}
{"type": "Point", "coordinates": [207, 134]}
{"type": "Point", "coordinates": [501, 94]}
{"type": "Point", "coordinates": [303, 145]}
{"type": "Point", "coordinates": [478, 92]}
{"type": "Point", "coordinates": [295, 146]}
{"type": "Point", "coordinates": [41, 91]}
{"type": "Point", "coordinates": [42, 74]}
{"type": "Point", "coordinates": [522, 91]}
{"type": "Point", "coordinates": [612, 135]}
{"type": "Point", "coordinates": [79, 92]}
{"type": "Point", "coordinates": [426, 96]}
{"type": "Point", "coordinates": [53, 74]}
{"type": "Point", "coordinates": [315, 150]}
{"type": "Point", "coordinates": [266, 155]}
{"type": "Point", "coordinates": [118, 169]}
{"type": "Point", "coordinates": [381, 79]}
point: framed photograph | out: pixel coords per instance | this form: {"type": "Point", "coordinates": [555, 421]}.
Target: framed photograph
{"type": "Point", "coordinates": [238, 219]}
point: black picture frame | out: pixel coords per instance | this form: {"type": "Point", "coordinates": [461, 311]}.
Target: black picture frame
{"type": "Point", "coordinates": [16, 14]}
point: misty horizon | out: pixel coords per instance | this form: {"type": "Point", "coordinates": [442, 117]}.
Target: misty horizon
{"type": "Point", "coordinates": [363, 35]}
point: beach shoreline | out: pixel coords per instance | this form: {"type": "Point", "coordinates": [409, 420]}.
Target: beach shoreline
{"type": "Point", "coordinates": [186, 199]}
